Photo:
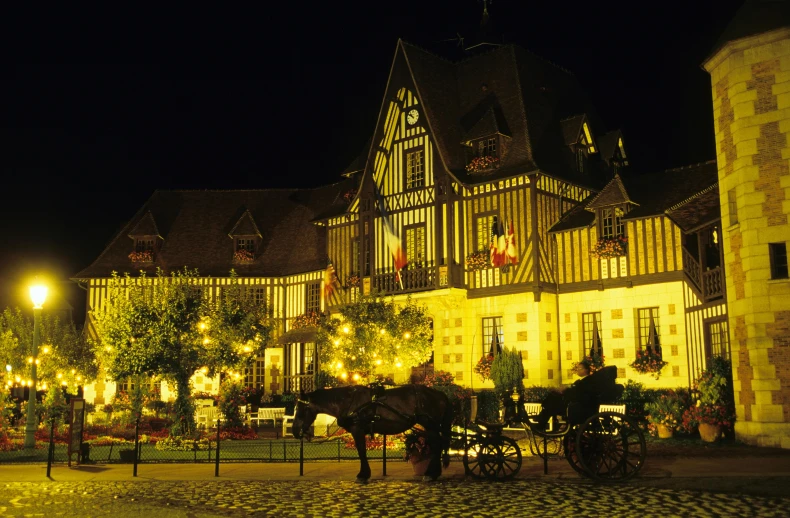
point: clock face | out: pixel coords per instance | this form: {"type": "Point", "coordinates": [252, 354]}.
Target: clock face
{"type": "Point", "coordinates": [412, 117]}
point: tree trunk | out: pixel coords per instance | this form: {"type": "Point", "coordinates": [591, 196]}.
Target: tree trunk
{"type": "Point", "coordinates": [184, 424]}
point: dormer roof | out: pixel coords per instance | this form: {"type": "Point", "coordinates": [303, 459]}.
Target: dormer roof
{"type": "Point", "coordinates": [145, 227]}
{"type": "Point", "coordinates": [613, 194]}
{"type": "Point", "coordinates": [245, 226]}
{"type": "Point", "coordinates": [484, 120]}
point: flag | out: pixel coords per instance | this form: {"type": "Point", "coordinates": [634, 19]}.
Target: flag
{"type": "Point", "coordinates": [511, 256]}
{"type": "Point", "coordinates": [330, 281]}
{"type": "Point", "coordinates": [498, 244]}
{"type": "Point", "coordinates": [390, 237]}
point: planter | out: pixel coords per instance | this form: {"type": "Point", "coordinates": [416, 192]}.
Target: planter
{"type": "Point", "coordinates": [664, 432]}
{"type": "Point", "coordinates": [419, 464]}
{"type": "Point", "coordinates": [709, 432]}
{"type": "Point", "coordinates": [126, 455]}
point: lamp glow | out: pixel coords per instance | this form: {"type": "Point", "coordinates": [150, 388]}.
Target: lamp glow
{"type": "Point", "coordinates": [38, 294]}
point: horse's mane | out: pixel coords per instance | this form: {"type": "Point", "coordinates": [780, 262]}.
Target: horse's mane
{"type": "Point", "coordinates": [335, 396]}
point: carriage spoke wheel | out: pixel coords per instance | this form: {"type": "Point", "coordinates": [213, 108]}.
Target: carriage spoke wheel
{"type": "Point", "coordinates": [569, 442]}
{"type": "Point", "coordinates": [479, 457]}
{"type": "Point", "coordinates": [610, 447]}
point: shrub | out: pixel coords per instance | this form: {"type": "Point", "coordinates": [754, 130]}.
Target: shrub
{"type": "Point", "coordinates": [487, 405]}
{"type": "Point", "coordinates": [231, 398]}
{"type": "Point", "coordinates": [537, 394]}
{"type": "Point", "coordinates": [507, 371]}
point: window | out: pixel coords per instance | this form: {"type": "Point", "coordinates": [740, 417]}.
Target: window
{"type": "Point", "coordinates": [487, 147]}
{"type": "Point", "coordinates": [415, 174]}
{"type": "Point", "coordinates": [355, 254]}
{"type": "Point", "coordinates": [717, 341]}
{"type": "Point", "coordinates": [591, 334]}
{"type": "Point", "coordinates": [244, 243]}
{"type": "Point", "coordinates": [308, 358]}
{"type": "Point", "coordinates": [778, 253]}
{"type": "Point", "coordinates": [254, 376]}
{"type": "Point", "coordinates": [732, 206]}
{"type": "Point", "coordinates": [649, 330]}
{"type": "Point", "coordinates": [493, 335]}
{"type": "Point", "coordinates": [580, 159]}
{"type": "Point", "coordinates": [313, 298]}
{"type": "Point", "coordinates": [483, 230]}
{"type": "Point", "coordinates": [257, 294]}
{"type": "Point", "coordinates": [587, 139]}
{"type": "Point", "coordinates": [612, 222]}
{"type": "Point", "coordinates": [144, 244]}
{"type": "Point", "coordinates": [415, 245]}
{"type": "Point", "coordinates": [366, 252]}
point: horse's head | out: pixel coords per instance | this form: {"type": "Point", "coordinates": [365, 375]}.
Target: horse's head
{"type": "Point", "coordinates": [304, 417]}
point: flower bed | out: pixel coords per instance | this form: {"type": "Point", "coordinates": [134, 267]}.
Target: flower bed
{"type": "Point", "coordinates": [610, 247]}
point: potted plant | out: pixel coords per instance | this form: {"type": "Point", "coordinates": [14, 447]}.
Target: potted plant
{"type": "Point", "coordinates": [417, 450]}
{"type": "Point", "coordinates": [715, 408]}
{"type": "Point", "coordinates": [665, 413]}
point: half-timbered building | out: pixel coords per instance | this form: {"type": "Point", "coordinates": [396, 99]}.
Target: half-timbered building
{"type": "Point", "coordinates": [501, 142]}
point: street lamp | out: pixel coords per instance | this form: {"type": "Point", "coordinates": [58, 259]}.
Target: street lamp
{"type": "Point", "coordinates": [38, 294]}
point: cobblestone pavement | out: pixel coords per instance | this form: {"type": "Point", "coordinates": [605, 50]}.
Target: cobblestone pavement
{"type": "Point", "coordinates": [455, 498]}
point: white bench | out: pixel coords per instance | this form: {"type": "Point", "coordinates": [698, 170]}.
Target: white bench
{"type": "Point", "coordinates": [620, 409]}
{"type": "Point", "coordinates": [268, 414]}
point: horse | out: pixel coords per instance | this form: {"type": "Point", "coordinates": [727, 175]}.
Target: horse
{"type": "Point", "coordinates": [363, 410]}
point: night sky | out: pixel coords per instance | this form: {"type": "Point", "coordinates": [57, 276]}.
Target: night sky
{"type": "Point", "coordinates": [102, 108]}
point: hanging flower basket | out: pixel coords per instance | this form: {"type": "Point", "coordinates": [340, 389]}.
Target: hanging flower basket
{"type": "Point", "coordinates": [648, 362]}
{"type": "Point", "coordinates": [610, 247]}
{"type": "Point", "coordinates": [482, 163]}
{"type": "Point", "coordinates": [483, 367]}
{"type": "Point", "coordinates": [143, 256]}
{"type": "Point", "coordinates": [243, 256]}
{"type": "Point", "coordinates": [479, 260]}
{"type": "Point", "coordinates": [353, 280]}
{"type": "Point", "coordinates": [306, 320]}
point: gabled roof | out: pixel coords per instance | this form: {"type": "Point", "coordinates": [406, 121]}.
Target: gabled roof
{"type": "Point", "coordinates": [613, 194]}
{"type": "Point", "coordinates": [245, 226]}
{"type": "Point", "coordinates": [607, 144]}
{"type": "Point", "coordinates": [197, 225]}
{"type": "Point", "coordinates": [699, 211]}
{"type": "Point", "coordinates": [146, 226]}
{"type": "Point", "coordinates": [527, 96]}
{"type": "Point", "coordinates": [571, 129]}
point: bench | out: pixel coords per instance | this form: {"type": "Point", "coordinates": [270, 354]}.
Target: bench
{"type": "Point", "coordinates": [267, 414]}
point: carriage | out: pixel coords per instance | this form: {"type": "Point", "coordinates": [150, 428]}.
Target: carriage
{"type": "Point", "coordinates": [605, 446]}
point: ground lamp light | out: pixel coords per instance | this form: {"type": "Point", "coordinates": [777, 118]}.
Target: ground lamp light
{"type": "Point", "coordinates": [38, 294]}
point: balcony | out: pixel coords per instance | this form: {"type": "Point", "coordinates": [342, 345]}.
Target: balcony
{"type": "Point", "coordinates": [708, 284]}
{"type": "Point", "coordinates": [411, 279]}
{"type": "Point", "coordinates": [298, 383]}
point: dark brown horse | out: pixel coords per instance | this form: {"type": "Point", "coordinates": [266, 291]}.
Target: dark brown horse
{"type": "Point", "coordinates": [362, 410]}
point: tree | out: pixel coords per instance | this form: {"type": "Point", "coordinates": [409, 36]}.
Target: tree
{"type": "Point", "coordinates": [65, 357]}
{"type": "Point", "coordinates": [507, 371]}
{"type": "Point", "coordinates": [374, 334]}
{"type": "Point", "coordinates": [166, 326]}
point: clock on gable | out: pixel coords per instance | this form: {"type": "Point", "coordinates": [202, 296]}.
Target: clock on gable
{"type": "Point", "coordinates": [412, 117]}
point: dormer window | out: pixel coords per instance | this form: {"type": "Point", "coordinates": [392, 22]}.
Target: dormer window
{"type": "Point", "coordinates": [244, 251]}
{"type": "Point", "coordinates": [612, 222]}
{"type": "Point", "coordinates": [146, 239]}
{"type": "Point", "coordinates": [487, 147]}
{"type": "Point", "coordinates": [143, 250]}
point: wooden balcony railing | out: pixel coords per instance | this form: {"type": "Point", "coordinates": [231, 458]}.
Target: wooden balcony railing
{"type": "Point", "coordinates": [412, 279]}
{"type": "Point", "coordinates": [692, 269]}
{"type": "Point", "coordinates": [298, 383]}
{"type": "Point", "coordinates": [712, 284]}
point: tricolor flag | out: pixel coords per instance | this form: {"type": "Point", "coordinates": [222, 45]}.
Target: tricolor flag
{"type": "Point", "coordinates": [390, 237]}
{"type": "Point", "coordinates": [498, 244]}
{"type": "Point", "coordinates": [511, 255]}
{"type": "Point", "coordinates": [330, 281]}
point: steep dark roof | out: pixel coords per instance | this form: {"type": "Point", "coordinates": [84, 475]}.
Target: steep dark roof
{"type": "Point", "coordinates": [614, 193]}
{"type": "Point", "coordinates": [607, 144]}
{"type": "Point", "coordinates": [657, 192]}
{"type": "Point", "coordinates": [146, 226]}
{"type": "Point", "coordinates": [578, 217]}
{"type": "Point", "coordinates": [571, 128]}
{"type": "Point", "coordinates": [698, 211]}
{"type": "Point", "coordinates": [506, 87]}
{"type": "Point", "coordinates": [755, 17]}
{"type": "Point", "coordinates": [195, 227]}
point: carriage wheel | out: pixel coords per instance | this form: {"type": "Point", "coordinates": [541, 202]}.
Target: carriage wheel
{"type": "Point", "coordinates": [479, 457]}
{"type": "Point", "coordinates": [610, 447]}
{"type": "Point", "coordinates": [569, 442]}
{"type": "Point", "coordinates": [507, 461]}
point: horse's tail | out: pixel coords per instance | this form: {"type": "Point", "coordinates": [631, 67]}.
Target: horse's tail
{"type": "Point", "coordinates": [446, 432]}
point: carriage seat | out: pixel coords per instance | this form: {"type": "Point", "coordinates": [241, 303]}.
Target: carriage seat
{"type": "Point", "coordinates": [495, 428]}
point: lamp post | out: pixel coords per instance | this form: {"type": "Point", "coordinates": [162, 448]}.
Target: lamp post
{"type": "Point", "coordinates": [38, 294]}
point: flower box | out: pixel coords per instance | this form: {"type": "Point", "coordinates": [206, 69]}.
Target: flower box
{"type": "Point", "coordinates": [479, 260]}
{"type": "Point", "coordinates": [610, 247]}
{"type": "Point", "coordinates": [648, 362]}
{"type": "Point", "coordinates": [482, 163]}
{"type": "Point", "coordinates": [306, 320]}
{"type": "Point", "coordinates": [143, 256]}
{"type": "Point", "coordinates": [243, 256]}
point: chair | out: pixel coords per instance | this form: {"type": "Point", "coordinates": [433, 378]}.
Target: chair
{"type": "Point", "coordinates": [288, 421]}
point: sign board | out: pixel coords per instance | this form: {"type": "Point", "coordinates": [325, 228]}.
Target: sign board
{"type": "Point", "coordinates": [76, 423]}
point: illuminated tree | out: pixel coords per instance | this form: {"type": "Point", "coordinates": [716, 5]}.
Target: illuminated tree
{"type": "Point", "coordinates": [167, 327]}
{"type": "Point", "coordinates": [373, 334]}
{"type": "Point", "coordinates": [65, 358]}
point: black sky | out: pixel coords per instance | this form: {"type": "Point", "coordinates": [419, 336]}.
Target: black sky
{"type": "Point", "coordinates": [102, 108]}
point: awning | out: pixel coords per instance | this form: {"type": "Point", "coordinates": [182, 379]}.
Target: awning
{"type": "Point", "coordinates": [298, 336]}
